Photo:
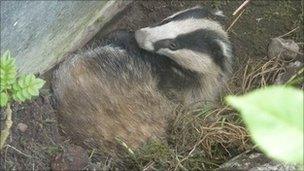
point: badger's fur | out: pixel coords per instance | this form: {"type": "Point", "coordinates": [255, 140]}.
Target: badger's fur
{"type": "Point", "coordinates": [124, 90]}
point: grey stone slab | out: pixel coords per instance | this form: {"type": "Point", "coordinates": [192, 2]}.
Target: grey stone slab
{"type": "Point", "coordinates": [256, 161]}
{"type": "Point", "coordinates": [41, 33]}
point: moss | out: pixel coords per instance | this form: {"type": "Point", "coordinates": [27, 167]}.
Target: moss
{"type": "Point", "coordinates": [156, 152]}
{"type": "Point", "coordinates": [199, 162]}
{"type": "Point", "coordinates": [52, 150]}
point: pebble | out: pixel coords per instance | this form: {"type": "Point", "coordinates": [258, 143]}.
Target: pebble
{"type": "Point", "coordinates": [22, 127]}
{"type": "Point", "coordinates": [71, 158]}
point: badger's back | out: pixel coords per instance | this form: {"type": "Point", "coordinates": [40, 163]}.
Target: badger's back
{"type": "Point", "coordinates": [108, 94]}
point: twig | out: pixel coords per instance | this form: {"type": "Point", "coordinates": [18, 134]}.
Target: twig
{"type": "Point", "coordinates": [179, 164]}
{"type": "Point", "coordinates": [26, 155]}
{"type": "Point", "coordinates": [289, 32]}
{"type": "Point", "coordinates": [235, 20]}
{"type": "Point", "coordinates": [91, 155]}
{"type": "Point", "coordinates": [7, 125]}
{"type": "Point", "coordinates": [149, 166]}
{"type": "Point", "coordinates": [241, 7]}
{"type": "Point", "coordinates": [296, 79]}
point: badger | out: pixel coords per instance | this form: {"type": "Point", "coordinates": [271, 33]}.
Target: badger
{"type": "Point", "coordinates": [123, 91]}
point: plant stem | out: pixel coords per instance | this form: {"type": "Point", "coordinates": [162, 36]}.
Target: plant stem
{"type": "Point", "coordinates": [297, 78]}
{"type": "Point", "coordinates": [7, 125]}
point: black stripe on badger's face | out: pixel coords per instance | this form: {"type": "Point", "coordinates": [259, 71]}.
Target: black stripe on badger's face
{"type": "Point", "coordinates": [201, 41]}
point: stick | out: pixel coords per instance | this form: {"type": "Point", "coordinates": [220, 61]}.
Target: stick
{"type": "Point", "coordinates": [289, 32]}
{"type": "Point", "coordinates": [235, 20]}
{"type": "Point", "coordinates": [26, 155]}
{"type": "Point", "coordinates": [241, 7]}
{"type": "Point", "coordinates": [7, 126]}
{"type": "Point", "coordinates": [296, 79]}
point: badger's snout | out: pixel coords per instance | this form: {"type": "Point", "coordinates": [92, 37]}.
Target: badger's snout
{"type": "Point", "coordinates": [143, 40]}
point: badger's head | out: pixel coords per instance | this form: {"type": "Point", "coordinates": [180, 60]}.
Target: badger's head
{"type": "Point", "coordinates": [194, 38]}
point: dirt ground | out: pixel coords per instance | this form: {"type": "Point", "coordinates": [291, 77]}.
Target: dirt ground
{"type": "Point", "coordinates": [41, 142]}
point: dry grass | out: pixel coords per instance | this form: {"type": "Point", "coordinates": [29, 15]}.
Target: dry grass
{"type": "Point", "coordinates": [256, 73]}
{"type": "Point", "coordinates": [214, 133]}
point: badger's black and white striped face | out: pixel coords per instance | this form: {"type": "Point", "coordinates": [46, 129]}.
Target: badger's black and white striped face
{"type": "Point", "coordinates": [194, 38]}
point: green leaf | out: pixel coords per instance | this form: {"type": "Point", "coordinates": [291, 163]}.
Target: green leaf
{"type": "Point", "coordinates": [3, 99]}
{"type": "Point", "coordinates": [274, 117]}
{"type": "Point", "coordinates": [26, 87]}
{"type": "Point", "coordinates": [8, 71]}
{"type": "Point", "coordinates": [18, 97]}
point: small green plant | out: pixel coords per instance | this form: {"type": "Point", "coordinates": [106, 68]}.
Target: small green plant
{"type": "Point", "coordinates": [274, 117]}
{"type": "Point", "coordinates": [13, 88]}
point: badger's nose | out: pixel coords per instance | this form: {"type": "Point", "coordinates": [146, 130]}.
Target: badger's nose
{"type": "Point", "coordinates": [142, 38]}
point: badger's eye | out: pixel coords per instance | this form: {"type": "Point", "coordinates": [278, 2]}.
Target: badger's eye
{"type": "Point", "coordinates": [173, 46]}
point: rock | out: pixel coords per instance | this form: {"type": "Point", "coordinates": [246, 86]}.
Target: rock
{"type": "Point", "coordinates": [255, 161]}
{"type": "Point", "coordinates": [284, 49]}
{"type": "Point", "coordinates": [22, 127]}
{"type": "Point", "coordinates": [72, 158]}
{"type": "Point", "coordinates": [38, 39]}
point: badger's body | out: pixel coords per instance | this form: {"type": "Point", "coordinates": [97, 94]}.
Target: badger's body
{"type": "Point", "coordinates": [124, 90]}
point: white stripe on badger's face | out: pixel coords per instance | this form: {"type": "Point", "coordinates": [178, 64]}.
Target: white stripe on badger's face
{"type": "Point", "coordinates": [146, 37]}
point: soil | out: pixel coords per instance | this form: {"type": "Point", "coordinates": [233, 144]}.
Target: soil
{"type": "Point", "coordinates": [41, 142]}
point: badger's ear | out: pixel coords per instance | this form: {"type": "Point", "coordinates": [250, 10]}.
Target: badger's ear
{"type": "Point", "coordinates": [220, 16]}
{"type": "Point", "coordinates": [197, 6]}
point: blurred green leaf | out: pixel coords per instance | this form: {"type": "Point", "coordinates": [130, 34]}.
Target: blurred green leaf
{"type": "Point", "coordinates": [274, 117]}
